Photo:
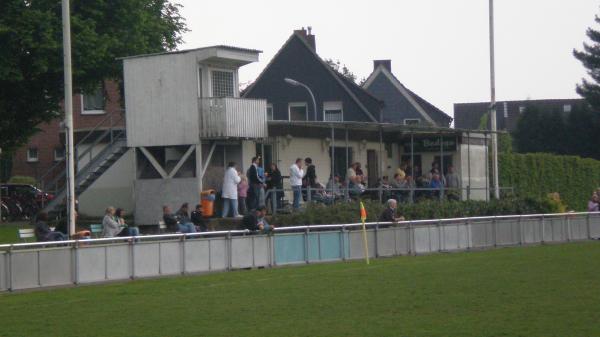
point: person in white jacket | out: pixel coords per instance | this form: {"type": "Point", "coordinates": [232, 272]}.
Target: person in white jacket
{"type": "Point", "coordinates": [230, 192]}
{"type": "Point", "coordinates": [296, 175]}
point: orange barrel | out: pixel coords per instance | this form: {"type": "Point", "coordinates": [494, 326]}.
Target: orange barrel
{"type": "Point", "coordinates": [207, 200]}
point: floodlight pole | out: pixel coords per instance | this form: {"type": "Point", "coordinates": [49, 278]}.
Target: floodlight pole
{"type": "Point", "coordinates": [70, 185]}
{"type": "Point", "coordinates": [493, 105]}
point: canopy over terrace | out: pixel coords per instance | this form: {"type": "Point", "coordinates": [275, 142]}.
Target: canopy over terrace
{"type": "Point", "coordinates": [468, 146]}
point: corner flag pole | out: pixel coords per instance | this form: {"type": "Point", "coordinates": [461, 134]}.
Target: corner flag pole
{"type": "Point", "coordinates": [363, 218]}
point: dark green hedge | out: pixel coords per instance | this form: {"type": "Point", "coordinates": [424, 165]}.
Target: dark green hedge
{"type": "Point", "coordinates": [537, 174]}
{"type": "Point", "coordinates": [316, 214]}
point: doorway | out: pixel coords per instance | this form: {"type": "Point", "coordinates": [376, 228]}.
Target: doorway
{"type": "Point", "coordinates": [372, 168]}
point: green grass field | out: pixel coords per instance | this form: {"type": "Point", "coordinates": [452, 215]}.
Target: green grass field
{"type": "Point", "coordinates": [551, 290]}
{"type": "Point", "coordinates": [9, 232]}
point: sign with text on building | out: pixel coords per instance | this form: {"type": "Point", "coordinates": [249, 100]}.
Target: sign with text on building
{"type": "Point", "coordinates": [431, 144]}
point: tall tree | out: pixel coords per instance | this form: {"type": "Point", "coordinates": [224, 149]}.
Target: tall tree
{"type": "Point", "coordinates": [31, 69]}
{"type": "Point", "coordinates": [590, 58]}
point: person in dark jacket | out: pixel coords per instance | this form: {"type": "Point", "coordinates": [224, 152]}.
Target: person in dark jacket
{"type": "Point", "coordinates": [170, 219]}
{"type": "Point", "coordinates": [310, 178]}
{"type": "Point", "coordinates": [198, 219]}
{"type": "Point", "coordinates": [185, 223]}
{"type": "Point", "coordinates": [274, 181]}
{"type": "Point", "coordinates": [256, 184]}
{"type": "Point", "coordinates": [255, 220]}
{"type": "Point", "coordinates": [43, 232]}
{"type": "Point", "coordinates": [389, 213]}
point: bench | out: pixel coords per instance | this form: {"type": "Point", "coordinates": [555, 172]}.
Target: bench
{"type": "Point", "coordinates": [26, 233]}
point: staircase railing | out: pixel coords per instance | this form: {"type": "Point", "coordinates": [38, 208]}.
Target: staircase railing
{"type": "Point", "coordinates": [53, 179]}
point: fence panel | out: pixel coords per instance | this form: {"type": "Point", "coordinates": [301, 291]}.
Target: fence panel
{"type": "Point", "coordinates": [532, 230]}
{"type": "Point", "coordinates": [454, 237]}
{"type": "Point", "coordinates": [242, 252]}
{"type": "Point", "coordinates": [3, 272]}
{"type": "Point", "coordinates": [482, 233]}
{"type": "Point", "coordinates": [91, 264]}
{"type": "Point", "coordinates": [119, 262]}
{"type": "Point", "coordinates": [219, 257]}
{"type": "Point", "coordinates": [507, 231]}
{"type": "Point", "coordinates": [170, 259]}
{"type": "Point", "coordinates": [403, 239]}
{"type": "Point", "coordinates": [146, 257]}
{"type": "Point", "coordinates": [386, 242]}
{"type": "Point", "coordinates": [289, 248]}
{"type": "Point", "coordinates": [262, 251]}
{"type": "Point", "coordinates": [555, 229]}
{"type": "Point", "coordinates": [330, 246]}
{"type": "Point", "coordinates": [595, 226]}
{"type": "Point", "coordinates": [56, 266]}
{"type": "Point", "coordinates": [24, 270]}
{"type": "Point", "coordinates": [197, 255]}
{"type": "Point", "coordinates": [355, 239]}
{"type": "Point", "coordinates": [578, 227]}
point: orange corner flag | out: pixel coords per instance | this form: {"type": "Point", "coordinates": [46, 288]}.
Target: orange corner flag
{"type": "Point", "coordinates": [363, 212]}
{"type": "Point", "coordinates": [363, 217]}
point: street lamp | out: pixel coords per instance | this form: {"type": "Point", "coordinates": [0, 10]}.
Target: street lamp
{"type": "Point", "coordinates": [300, 84]}
{"type": "Point", "coordinates": [493, 103]}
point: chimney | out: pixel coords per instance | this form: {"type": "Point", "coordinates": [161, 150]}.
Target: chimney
{"type": "Point", "coordinates": [387, 64]}
{"type": "Point", "coordinates": [308, 37]}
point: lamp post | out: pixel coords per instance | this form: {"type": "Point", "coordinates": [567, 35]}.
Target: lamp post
{"type": "Point", "coordinates": [70, 185]}
{"type": "Point", "coordinates": [493, 105]}
{"type": "Point", "coordinates": [300, 84]}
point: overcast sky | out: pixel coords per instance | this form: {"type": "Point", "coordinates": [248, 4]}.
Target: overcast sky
{"type": "Point", "coordinates": [438, 48]}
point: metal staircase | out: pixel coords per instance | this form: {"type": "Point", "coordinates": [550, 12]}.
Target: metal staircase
{"type": "Point", "coordinates": [107, 136]}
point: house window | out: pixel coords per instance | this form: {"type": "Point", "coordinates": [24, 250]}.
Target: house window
{"type": "Point", "coordinates": [222, 83]}
{"type": "Point", "coordinates": [297, 112]}
{"type": "Point", "coordinates": [521, 109]}
{"type": "Point", "coordinates": [32, 155]}
{"type": "Point", "coordinates": [412, 121]}
{"type": "Point", "coordinates": [567, 108]}
{"type": "Point", "coordinates": [269, 112]}
{"type": "Point", "coordinates": [59, 153]}
{"type": "Point", "coordinates": [93, 103]}
{"type": "Point", "coordinates": [332, 112]}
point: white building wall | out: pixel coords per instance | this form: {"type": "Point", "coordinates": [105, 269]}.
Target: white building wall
{"type": "Point", "coordinates": [161, 100]}
{"type": "Point", "coordinates": [113, 188]}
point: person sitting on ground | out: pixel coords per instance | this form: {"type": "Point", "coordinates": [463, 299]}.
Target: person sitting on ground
{"type": "Point", "coordinates": [198, 219]}
{"type": "Point", "coordinates": [255, 221]}
{"type": "Point", "coordinates": [128, 230]}
{"type": "Point", "coordinates": [170, 220]}
{"type": "Point", "coordinates": [389, 213]}
{"type": "Point", "coordinates": [43, 232]}
{"type": "Point", "coordinates": [593, 204]}
{"type": "Point", "coordinates": [185, 223]}
{"type": "Point", "coordinates": [110, 226]}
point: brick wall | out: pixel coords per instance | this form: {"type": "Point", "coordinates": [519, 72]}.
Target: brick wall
{"type": "Point", "coordinates": [50, 137]}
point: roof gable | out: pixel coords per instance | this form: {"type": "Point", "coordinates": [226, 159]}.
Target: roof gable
{"type": "Point", "coordinates": [401, 102]}
{"type": "Point", "coordinates": [297, 60]}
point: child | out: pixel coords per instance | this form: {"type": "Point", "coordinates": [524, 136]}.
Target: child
{"type": "Point", "coordinates": [242, 194]}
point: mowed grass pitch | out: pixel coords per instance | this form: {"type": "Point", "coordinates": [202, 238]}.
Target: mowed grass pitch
{"type": "Point", "coordinates": [551, 290]}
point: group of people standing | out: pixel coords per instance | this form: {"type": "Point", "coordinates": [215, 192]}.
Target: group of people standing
{"type": "Point", "coordinates": [244, 193]}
